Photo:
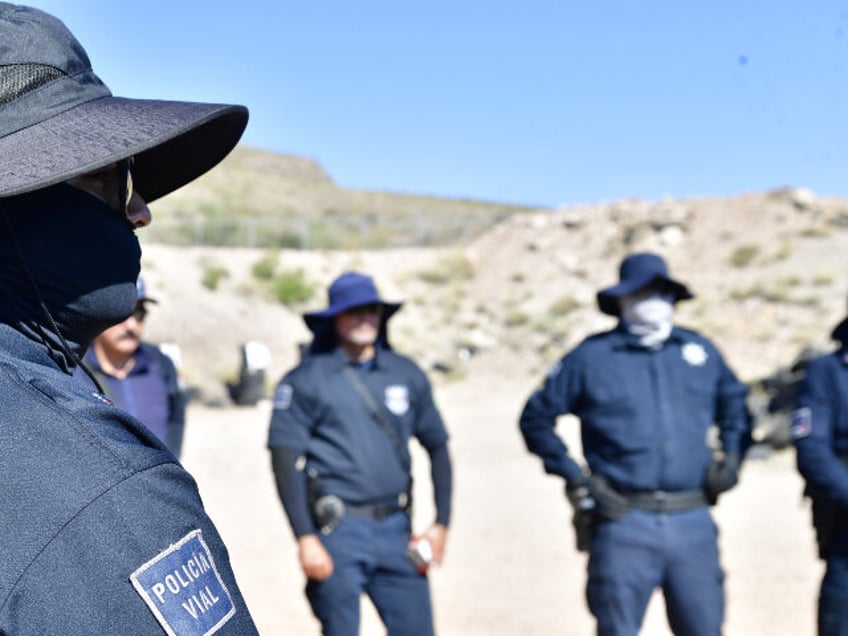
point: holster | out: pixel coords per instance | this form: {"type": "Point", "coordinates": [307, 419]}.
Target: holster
{"type": "Point", "coordinates": [827, 517]}
{"type": "Point", "coordinates": [584, 527]}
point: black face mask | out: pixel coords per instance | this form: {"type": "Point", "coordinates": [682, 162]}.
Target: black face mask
{"type": "Point", "coordinates": [84, 258]}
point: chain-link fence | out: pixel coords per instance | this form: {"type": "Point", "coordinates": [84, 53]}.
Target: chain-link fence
{"type": "Point", "coordinates": [339, 232]}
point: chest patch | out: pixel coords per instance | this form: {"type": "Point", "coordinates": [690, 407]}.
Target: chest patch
{"type": "Point", "coordinates": [397, 399]}
{"type": "Point", "coordinates": [694, 354]}
{"type": "Point", "coordinates": [183, 589]}
{"type": "Point", "coordinates": [802, 423]}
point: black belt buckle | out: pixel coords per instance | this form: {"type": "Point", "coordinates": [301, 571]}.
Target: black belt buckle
{"type": "Point", "coordinates": [660, 500]}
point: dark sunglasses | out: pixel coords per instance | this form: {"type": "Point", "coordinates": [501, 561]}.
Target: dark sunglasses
{"type": "Point", "coordinates": [140, 313]}
{"type": "Point", "coordinates": [125, 193]}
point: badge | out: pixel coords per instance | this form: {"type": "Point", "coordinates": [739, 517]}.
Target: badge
{"type": "Point", "coordinates": [397, 399]}
{"type": "Point", "coordinates": [694, 354]}
{"type": "Point", "coordinates": [802, 423]}
{"type": "Point", "coordinates": [283, 396]}
{"type": "Point", "coordinates": [183, 589]}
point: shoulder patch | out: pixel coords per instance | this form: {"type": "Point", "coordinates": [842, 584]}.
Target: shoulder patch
{"type": "Point", "coordinates": [183, 589]}
{"type": "Point", "coordinates": [802, 423]}
{"type": "Point", "coordinates": [283, 396]}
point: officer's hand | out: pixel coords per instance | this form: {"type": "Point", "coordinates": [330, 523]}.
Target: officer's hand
{"type": "Point", "coordinates": [722, 475]}
{"type": "Point", "coordinates": [579, 495]}
{"type": "Point", "coordinates": [316, 562]}
{"type": "Point", "coordinates": [611, 504]}
{"type": "Point", "coordinates": [437, 535]}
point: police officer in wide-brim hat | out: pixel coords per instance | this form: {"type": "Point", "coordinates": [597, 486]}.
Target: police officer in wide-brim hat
{"type": "Point", "coordinates": [646, 393]}
{"type": "Point", "coordinates": [105, 514]}
{"type": "Point", "coordinates": [339, 441]}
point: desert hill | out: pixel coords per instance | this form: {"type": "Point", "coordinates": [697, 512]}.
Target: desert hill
{"type": "Point", "coordinates": [768, 270]}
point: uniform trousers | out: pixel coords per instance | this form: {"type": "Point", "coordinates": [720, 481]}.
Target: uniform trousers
{"type": "Point", "coordinates": [676, 552]}
{"type": "Point", "coordinates": [833, 598]}
{"type": "Point", "coordinates": [369, 556]}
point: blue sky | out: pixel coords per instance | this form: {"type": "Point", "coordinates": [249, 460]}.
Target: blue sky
{"type": "Point", "coordinates": [545, 102]}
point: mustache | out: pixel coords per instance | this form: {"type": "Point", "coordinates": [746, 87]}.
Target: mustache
{"type": "Point", "coordinates": [129, 334]}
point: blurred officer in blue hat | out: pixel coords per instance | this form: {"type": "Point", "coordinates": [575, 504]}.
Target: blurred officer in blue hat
{"type": "Point", "coordinates": [138, 377]}
{"type": "Point", "coordinates": [339, 438]}
{"type": "Point", "coordinates": [646, 394]}
{"type": "Point", "coordinates": [820, 432]}
{"type": "Point", "coordinates": [102, 531]}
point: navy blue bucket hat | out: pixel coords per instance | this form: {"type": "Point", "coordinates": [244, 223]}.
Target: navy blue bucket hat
{"type": "Point", "coordinates": [637, 271]}
{"type": "Point", "coordinates": [58, 120]}
{"type": "Point", "coordinates": [141, 292]}
{"type": "Point", "coordinates": [348, 291]}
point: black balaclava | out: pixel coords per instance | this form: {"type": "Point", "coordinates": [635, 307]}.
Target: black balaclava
{"type": "Point", "coordinates": [84, 258]}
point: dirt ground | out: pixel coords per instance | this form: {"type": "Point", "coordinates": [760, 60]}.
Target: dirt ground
{"type": "Point", "coordinates": [511, 567]}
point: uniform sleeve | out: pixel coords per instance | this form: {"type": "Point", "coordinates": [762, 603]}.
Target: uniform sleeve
{"type": "Point", "coordinates": [143, 558]}
{"type": "Point", "coordinates": [177, 401]}
{"type": "Point", "coordinates": [732, 416]}
{"type": "Point", "coordinates": [293, 489]}
{"type": "Point", "coordinates": [288, 438]}
{"type": "Point", "coordinates": [431, 432]}
{"type": "Point", "coordinates": [539, 416]}
{"type": "Point", "coordinates": [812, 431]}
{"type": "Point", "coordinates": [429, 426]}
{"type": "Point", "coordinates": [293, 415]}
{"type": "Point", "coordinates": [441, 473]}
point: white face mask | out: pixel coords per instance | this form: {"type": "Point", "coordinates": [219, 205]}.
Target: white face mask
{"type": "Point", "coordinates": [654, 311]}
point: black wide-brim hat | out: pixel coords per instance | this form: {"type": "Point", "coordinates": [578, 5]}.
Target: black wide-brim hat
{"type": "Point", "coordinates": [59, 121]}
{"type": "Point", "coordinates": [637, 271]}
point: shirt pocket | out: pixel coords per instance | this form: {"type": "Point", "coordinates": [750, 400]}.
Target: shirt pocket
{"type": "Point", "coordinates": [699, 394]}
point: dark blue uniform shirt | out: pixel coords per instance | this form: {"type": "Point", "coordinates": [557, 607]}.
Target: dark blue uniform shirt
{"type": "Point", "coordinates": [150, 393]}
{"type": "Point", "coordinates": [820, 423]}
{"type": "Point", "coordinates": [319, 415]}
{"type": "Point", "coordinates": [113, 537]}
{"type": "Point", "coordinates": [644, 414]}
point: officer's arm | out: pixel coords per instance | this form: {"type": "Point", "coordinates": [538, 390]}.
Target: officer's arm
{"type": "Point", "coordinates": [812, 432]}
{"type": "Point", "coordinates": [293, 489]}
{"type": "Point", "coordinates": [441, 472]}
{"type": "Point", "coordinates": [114, 568]}
{"type": "Point", "coordinates": [288, 438]}
{"type": "Point", "coordinates": [538, 421]}
{"type": "Point", "coordinates": [177, 401]}
{"type": "Point", "coordinates": [431, 433]}
{"type": "Point", "coordinates": [733, 418]}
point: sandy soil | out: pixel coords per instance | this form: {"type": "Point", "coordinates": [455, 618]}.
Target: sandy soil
{"type": "Point", "coordinates": [511, 567]}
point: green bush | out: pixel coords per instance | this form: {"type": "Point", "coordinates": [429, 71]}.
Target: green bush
{"type": "Point", "coordinates": [265, 267]}
{"type": "Point", "coordinates": [743, 255]}
{"type": "Point", "coordinates": [564, 305]}
{"type": "Point", "coordinates": [454, 267]}
{"type": "Point", "coordinates": [292, 287]}
{"type": "Point", "coordinates": [213, 275]}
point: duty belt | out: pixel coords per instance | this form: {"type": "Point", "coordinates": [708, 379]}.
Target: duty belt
{"type": "Point", "coordinates": [379, 511]}
{"type": "Point", "coordinates": [664, 501]}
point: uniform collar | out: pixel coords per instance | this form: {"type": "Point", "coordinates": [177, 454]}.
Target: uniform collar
{"type": "Point", "coordinates": [342, 359]}
{"type": "Point", "coordinates": [623, 339]}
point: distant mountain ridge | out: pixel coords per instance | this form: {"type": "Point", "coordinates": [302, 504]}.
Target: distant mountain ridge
{"type": "Point", "coordinates": [257, 198]}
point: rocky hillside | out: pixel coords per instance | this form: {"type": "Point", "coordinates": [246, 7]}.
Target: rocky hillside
{"type": "Point", "coordinates": [768, 270]}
